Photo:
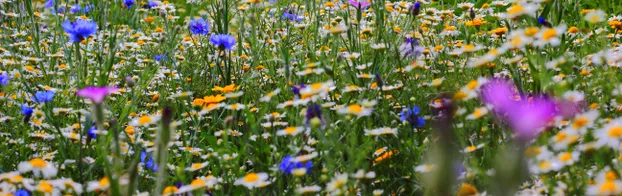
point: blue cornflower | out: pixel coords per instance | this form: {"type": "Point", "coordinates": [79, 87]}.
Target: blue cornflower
{"type": "Point", "coordinates": [416, 9]}
{"type": "Point", "coordinates": [80, 29]}
{"type": "Point", "coordinates": [411, 115]}
{"type": "Point", "coordinates": [288, 164]}
{"type": "Point", "coordinates": [199, 26]}
{"type": "Point", "coordinates": [43, 96]}
{"type": "Point", "coordinates": [49, 4]}
{"type": "Point", "coordinates": [152, 4]}
{"type": "Point", "coordinates": [75, 8]}
{"type": "Point", "coordinates": [148, 161]}
{"type": "Point", "coordinates": [223, 41]}
{"type": "Point", "coordinates": [88, 8]}
{"type": "Point", "coordinates": [313, 111]}
{"type": "Point", "coordinates": [291, 16]}
{"type": "Point", "coordinates": [4, 79]}
{"type": "Point", "coordinates": [411, 48]}
{"type": "Point", "coordinates": [92, 133]}
{"type": "Point", "coordinates": [128, 3]}
{"type": "Point", "coordinates": [160, 57]}
{"type": "Point", "coordinates": [21, 192]}
{"type": "Point", "coordinates": [26, 111]}
{"type": "Point", "coordinates": [296, 89]}
{"type": "Point", "coordinates": [544, 22]}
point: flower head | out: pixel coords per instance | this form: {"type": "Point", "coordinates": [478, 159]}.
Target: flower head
{"type": "Point", "coordinates": [96, 94]}
{"type": "Point", "coordinates": [26, 110]}
{"type": "Point", "coordinates": [43, 96]}
{"type": "Point", "coordinates": [4, 79]}
{"type": "Point", "coordinates": [222, 41]}
{"type": "Point", "coordinates": [359, 4]}
{"type": "Point", "coordinates": [128, 3]}
{"type": "Point", "coordinates": [411, 115]}
{"type": "Point", "coordinates": [199, 26]}
{"type": "Point", "coordinates": [79, 30]}
{"type": "Point", "coordinates": [288, 164]}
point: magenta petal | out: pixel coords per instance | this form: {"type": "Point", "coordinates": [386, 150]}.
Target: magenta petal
{"type": "Point", "coordinates": [499, 94]}
{"type": "Point", "coordinates": [528, 118]}
{"type": "Point", "coordinates": [96, 94]}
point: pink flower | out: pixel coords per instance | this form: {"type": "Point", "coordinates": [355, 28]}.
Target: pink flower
{"type": "Point", "coordinates": [96, 94]}
{"type": "Point", "coordinates": [526, 117]}
{"type": "Point", "coordinates": [359, 4]}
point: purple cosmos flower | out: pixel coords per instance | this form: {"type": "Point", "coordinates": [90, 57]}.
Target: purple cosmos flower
{"type": "Point", "coordinates": [525, 116]}
{"type": "Point", "coordinates": [96, 94]}
{"type": "Point", "coordinates": [223, 41]}
{"type": "Point", "coordinates": [359, 4]}
{"type": "Point", "coordinates": [288, 164]}
{"type": "Point", "coordinates": [80, 29]}
{"type": "Point", "coordinates": [4, 79]}
{"type": "Point", "coordinates": [43, 96]}
{"type": "Point", "coordinates": [199, 26]}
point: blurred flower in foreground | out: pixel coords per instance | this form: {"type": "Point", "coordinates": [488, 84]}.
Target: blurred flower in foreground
{"type": "Point", "coordinates": [359, 4]}
{"type": "Point", "coordinates": [525, 116]}
{"type": "Point", "coordinates": [96, 94]}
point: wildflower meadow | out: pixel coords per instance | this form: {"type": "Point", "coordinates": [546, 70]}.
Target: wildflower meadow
{"type": "Point", "coordinates": [310, 97]}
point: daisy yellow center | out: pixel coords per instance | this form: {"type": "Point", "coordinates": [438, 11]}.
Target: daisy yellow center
{"type": "Point", "coordinates": [17, 178]}
{"type": "Point", "coordinates": [471, 148]}
{"type": "Point", "coordinates": [560, 136]}
{"type": "Point", "coordinates": [615, 131]}
{"type": "Point", "coordinates": [316, 86]}
{"type": "Point", "coordinates": [290, 130]}
{"type": "Point", "coordinates": [610, 176]}
{"type": "Point", "coordinates": [197, 182]}
{"type": "Point", "coordinates": [234, 106]}
{"type": "Point", "coordinates": [607, 187]}
{"type": "Point", "coordinates": [580, 122]}
{"type": "Point", "coordinates": [169, 190]}
{"type": "Point", "coordinates": [469, 47]}
{"type": "Point", "coordinates": [144, 120]}
{"type": "Point", "coordinates": [548, 34]}
{"type": "Point", "coordinates": [251, 177]}
{"type": "Point", "coordinates": [104, 182]}
{"type": "Point", "coordinates": [196, 166]}
{"type": "Point", "coordinates": [544, 165]}
{"type": "Point", "coordinates": [565, 157]}
{"type": "Point", "coordinates": [355, 108]}
{"type": "Point", "coordinates": [39, 163]}
{"type": "Point", "coordinates": [472, 84]}
{"type": "Point", "coordinates": [516, 9]}
{"type": "Point", "coordinates": [45, 187]}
